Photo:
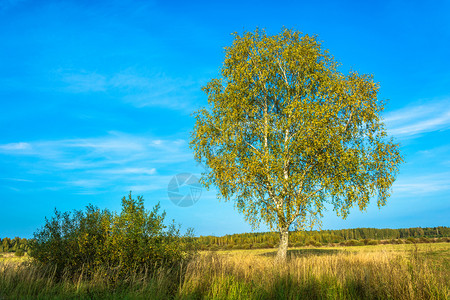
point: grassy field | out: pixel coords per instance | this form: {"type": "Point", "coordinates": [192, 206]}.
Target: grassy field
{"type": "Point", "coordinates": [406, 271]}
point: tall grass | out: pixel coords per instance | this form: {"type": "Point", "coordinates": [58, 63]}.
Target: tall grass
{"type": "Point", "coordinates": [30, 281]}
{"type": "Point", "coordinates": [351, 275]}
{"type": "Point", "coordinates": [411, 273]}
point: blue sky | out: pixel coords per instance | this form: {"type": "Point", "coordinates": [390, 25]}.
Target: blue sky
{"type": "Point", "coordinates": [96, 100]}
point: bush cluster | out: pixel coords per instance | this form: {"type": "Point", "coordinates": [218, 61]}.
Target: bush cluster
{"type": "Point", "coordinates": [94, 238]}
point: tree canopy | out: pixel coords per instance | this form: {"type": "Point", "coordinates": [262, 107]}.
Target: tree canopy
{"type": "Point", "coordinates": [286, 132]}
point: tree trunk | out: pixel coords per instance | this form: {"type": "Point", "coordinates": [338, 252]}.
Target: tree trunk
{"type": "Point", "coordinates": [284, 241]}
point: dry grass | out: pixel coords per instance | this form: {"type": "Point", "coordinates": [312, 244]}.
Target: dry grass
{"type": "Point", "coordinates": [367, 272]}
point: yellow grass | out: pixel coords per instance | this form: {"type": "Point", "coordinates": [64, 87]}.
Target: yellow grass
{"type": "Point", "coordinates": [406, 271]}
{"type": "Point", "coordinates": [11, 258]}
{"type": "Point", "coordinates": [382, 271]}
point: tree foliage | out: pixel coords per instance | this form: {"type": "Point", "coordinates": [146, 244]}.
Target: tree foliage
{"type": "Point", "coordinates": [286, 132]}
{"type": "Point", "coordinates": [94, 238]}
{"type": "Point", "coordinates": [14, 245]}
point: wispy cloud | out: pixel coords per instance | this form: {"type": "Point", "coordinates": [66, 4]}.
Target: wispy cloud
{"type": "Point", "coordinates": [416, 120]}
{"type": "Point", "coordinates": [127, 171]}
{"type": "Point", "coordinates": [140, 90]}
{"type": "Point", "coordinates": [16, 179]}
{"type": "Point", "coordinates": [14, 146]}
{"type": "Point", "coordinates": [116, 161]}
{"type": "Point", "coordinates": [422, 185]}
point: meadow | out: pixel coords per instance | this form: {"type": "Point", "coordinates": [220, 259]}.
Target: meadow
{"type": "Point", "coordinates": [404, 271]}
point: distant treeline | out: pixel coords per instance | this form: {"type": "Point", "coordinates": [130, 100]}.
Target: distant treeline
{"type": "Point", "coordinates": [357, 236]}
{"type": "Point", "coordinates": [14, 245]}
{"type": "Point", "coordinates": [348, 237]}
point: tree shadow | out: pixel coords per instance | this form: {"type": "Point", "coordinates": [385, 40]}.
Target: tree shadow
{"type": "Point", "coordinates": [293, 253]}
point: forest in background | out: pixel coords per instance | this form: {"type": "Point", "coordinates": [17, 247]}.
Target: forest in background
{"type": "Point", "coordinates": [258, 240]}
{"type": "Point", "coordinates": [344, 237]}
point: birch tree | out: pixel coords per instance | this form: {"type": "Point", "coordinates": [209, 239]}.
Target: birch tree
{"type": "Point", "coordinates": [285, 133]}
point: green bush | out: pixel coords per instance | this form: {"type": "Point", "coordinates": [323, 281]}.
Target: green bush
{"type": "Point", "coordinates": [354, 243]}
{"type": "Point", "coordinates": [213, 248]}
{"type": "Point", "coordinates": [87, 240]}
{"type": "Point", "coordinates": [411, 240]}
{"type": "Point", "coordinates": [262, 245]}
{"type": "Point", "coordinates": [246, 246]}
{"type": "Point", "coordinates": [19, 253]}
{"type": "Point", "coordinates": [370, 242]}
{"type": "Point", "coordinates": [424, 240]}
{"type": "Point", "coordinates": [310, 243]}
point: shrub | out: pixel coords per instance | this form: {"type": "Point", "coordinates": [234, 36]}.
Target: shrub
{"type": "Point", "coordinates": [411, 240]}
{"type": "Point", "coordinates": [354, 243]}
{"type": "Point", "coordinates": [372, 242]}
{"type": "Point", "coordinates": [214, 248]}
{"type": "Point", "coordinates": [424, 240]}
{"type": "Point", "coordinates": [87, 240]}
{"type": "Point", "coordinates": [246, 246]}
{"type": "Point", "coordinates": [19, 253]}
{"type": "Point", "coordinates": [264, 245]}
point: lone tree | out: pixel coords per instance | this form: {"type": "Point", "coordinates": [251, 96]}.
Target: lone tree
{"type": "Point", "coordinates": [286, 132]}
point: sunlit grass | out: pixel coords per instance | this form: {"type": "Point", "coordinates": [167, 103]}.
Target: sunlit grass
{"type": "Point", "coordinates": [11, 258]}
{"type": "Point", "coordinates": [405, 271]}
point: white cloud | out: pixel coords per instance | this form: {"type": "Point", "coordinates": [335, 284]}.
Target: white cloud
{"type": "Point", "coordinates": [16, 179]}
{"type": "Point", "coordinates": [91, 165]}
{"type": "Point", "coordinates": [140, 90]}
{"type": "Point", "coordinates": [422, 185]}
{"type": "Point", "coordinates": [413, 121]}
{"type": "Point", "coordinates": [141, 171]}
{"type": "Point", "coordinates": [15, 146]}
{"type": "Point", "coordinates": [87, 183]}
